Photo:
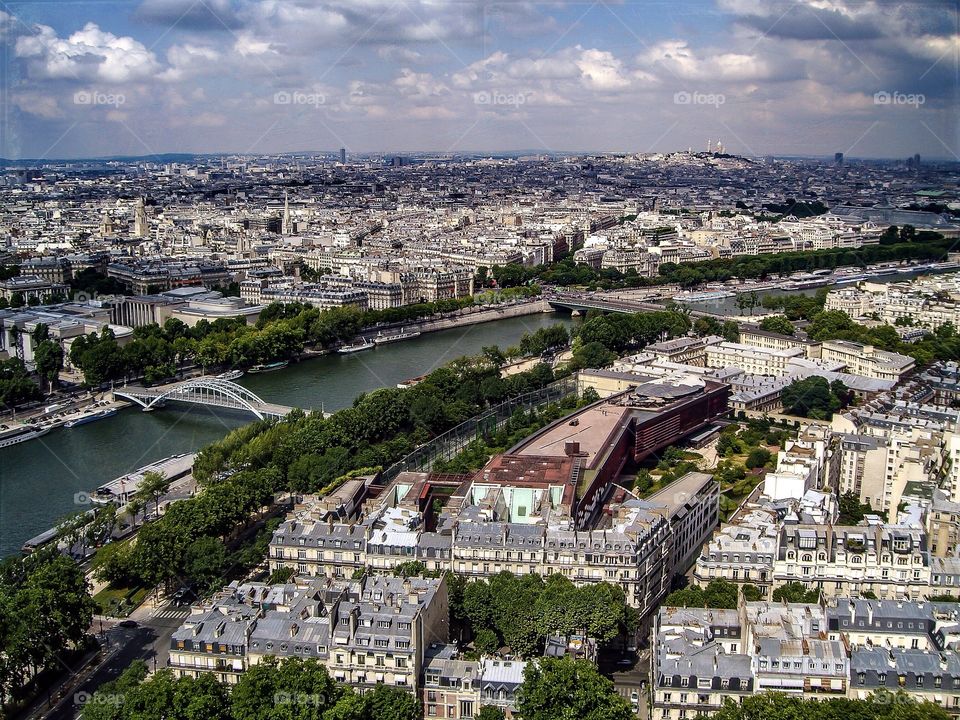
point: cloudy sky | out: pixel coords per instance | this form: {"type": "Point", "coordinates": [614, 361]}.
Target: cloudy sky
{"type": "Point", "coordinates": [871, 78]}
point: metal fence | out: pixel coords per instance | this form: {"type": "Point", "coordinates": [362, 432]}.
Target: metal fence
{"type": "Point", "coordinates": [453, 441]}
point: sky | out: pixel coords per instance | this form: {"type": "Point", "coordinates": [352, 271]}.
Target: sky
{"type": "Point", "coordinates": [870, 78]}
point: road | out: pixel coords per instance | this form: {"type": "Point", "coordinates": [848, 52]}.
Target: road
{"type": "Point", "coordinates": [629, 681]}
{"type": "Point", "coordinates": [149, 641]}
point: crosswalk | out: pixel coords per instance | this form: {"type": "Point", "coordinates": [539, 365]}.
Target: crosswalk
{"type": "Point", "coordinates": [173, 614]}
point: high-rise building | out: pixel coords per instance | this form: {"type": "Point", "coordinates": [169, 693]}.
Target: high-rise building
{"type": "Point", "coordinates": [343, 156]}
{"type": "Point", "coordinates": [285, 226]}
{"type": "Point", "coordinates": [141, 227]}
{"type": "Point", "coordinates": [838, 158]}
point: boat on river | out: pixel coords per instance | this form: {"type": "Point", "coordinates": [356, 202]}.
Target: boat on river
{"type": "Point", "coordinates": [90, 417]}
{"type": "Point", "coordinates": [269, 367]}
{"type": "Point", "coordinates": [15, 434]}
{"type": "Point", "coordinates": [382, 339]}
{"type": "Point", "coordinates": [356, 347]}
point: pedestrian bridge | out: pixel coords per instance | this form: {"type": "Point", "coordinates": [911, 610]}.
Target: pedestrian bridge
{"type": "Point", "coordinates": [611, 303]}
{"type": "Point", "coordinates": [209, 391]}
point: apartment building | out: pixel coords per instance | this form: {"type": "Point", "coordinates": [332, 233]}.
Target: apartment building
{"type": "Point", "coordinates": [683, 350]}
{"type": "Point", "coordinates": [214, 640]}
{"type": "Point", "coordinates": [697, 661]}
{"type": "Point", "coordinates": [926, 302]}
{"type": "Point", "coordinates": [867, 360]}
{"type": "Point", "coordinates": [752, 360]}
{"type": "Point", "coordinates": [31, 288]}
{"type": "Point", "coordinates": [742, 552]}
{"type": "Point", "coordinates": [373, 630]}
{"type": "Point", "coordinates": [456, 689]}
{"type": "Point", "coordinates": [890, 561]}
{"type": "Point", "coordinates": [878, 467]}
{"type": "Point", "coordinates": [849, 647]}
{"type": "Point", "coordinates": [508, 518]}
{"type": "Point", "coordinates": [771, 544]}
{"type": "Point", "coordinates": [764, 339]}
{"type": "Point", "coordinates": [805, 463]}
{"type": "Point", "coordinates": [943, 525]}
{"type": "Point", "coordinates": [702, 657]}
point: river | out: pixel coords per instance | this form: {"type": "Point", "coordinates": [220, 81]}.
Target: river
{"type": "Point", "coordinates": [40, 479]}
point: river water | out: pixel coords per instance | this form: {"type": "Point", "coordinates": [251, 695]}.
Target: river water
{"type": "Point", "coordinates": [40, 479]}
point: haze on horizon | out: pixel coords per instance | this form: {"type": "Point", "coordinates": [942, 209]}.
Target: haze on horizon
{"type": "Point", "coordinates": [868, 78]}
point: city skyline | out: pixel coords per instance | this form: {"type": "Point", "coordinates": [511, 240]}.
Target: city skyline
{"type": "Point", "coordinates": [868, 79]}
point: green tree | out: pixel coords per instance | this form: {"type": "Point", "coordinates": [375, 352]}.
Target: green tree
{"type": "Point", "coordinates": [287, 688]}
{"type": "Point", "coordinates": [592, 355]}
{"type": "Point", "coordinates": [881, 705]}
{"type": "Point", "coordinates": [810, 397]}
{"type": "Point", "coordinates": [153, 486]}
{"type": "Point", "coordinates": [567, 689]}
{"type": "Point", "coordinates": [204, 561]}
{"type": "Point", "coordinates": [718, 593]}
{"type": "Point", "coordinates": [777, 324]}
{"type": "Point", "coordinates": [796, 592]}
{"type": "Point", "coordinates": [391, 703]}
{"type": "Point", "coordinates": [48, 358]}
{"type": "Point", "coordinates": [45, 611]}
{"type": "Point", "coordinates": [16, 387]}
{"type": "Point", "coordinates": [757, 458]}
{"type": "Point", "coordinates": [851, 509]}
{"type": "Point", "coordinates": [489, 712]}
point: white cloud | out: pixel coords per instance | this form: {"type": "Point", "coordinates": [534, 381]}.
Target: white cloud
{"type": "Point", "coordinates": [38, 104]}
{"type": "Point", "coordinates": [189, 61]}
{"type": "Point", "coordinates": [600, 70]}
{"type": "Point", "coordinates": [88, 54]}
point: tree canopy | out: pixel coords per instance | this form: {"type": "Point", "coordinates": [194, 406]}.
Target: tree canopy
{"type": "Point", "coordinates": [288, 689]}
{"type": "Point", "coordinates": [567, 689]}
{"type": "Point", "coordinates": [521, 611]}
{"type": "Point", "coordinates": [881, 705]}
{"type": "Point", "coordinates": [45, 611]}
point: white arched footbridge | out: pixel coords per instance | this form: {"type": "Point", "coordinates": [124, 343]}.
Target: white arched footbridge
{"type": "Point", "coordinates": [210, 391]}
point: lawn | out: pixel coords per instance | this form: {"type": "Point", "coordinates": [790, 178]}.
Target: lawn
{"type": "Point", "coordinates": [120, 602]}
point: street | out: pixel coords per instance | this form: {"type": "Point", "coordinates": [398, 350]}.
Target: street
{"type": "Point", "coordinates": [149, 641]}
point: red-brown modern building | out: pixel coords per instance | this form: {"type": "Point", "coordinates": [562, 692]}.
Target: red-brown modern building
{"type": "Point", "coordinates": [587, 451]}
